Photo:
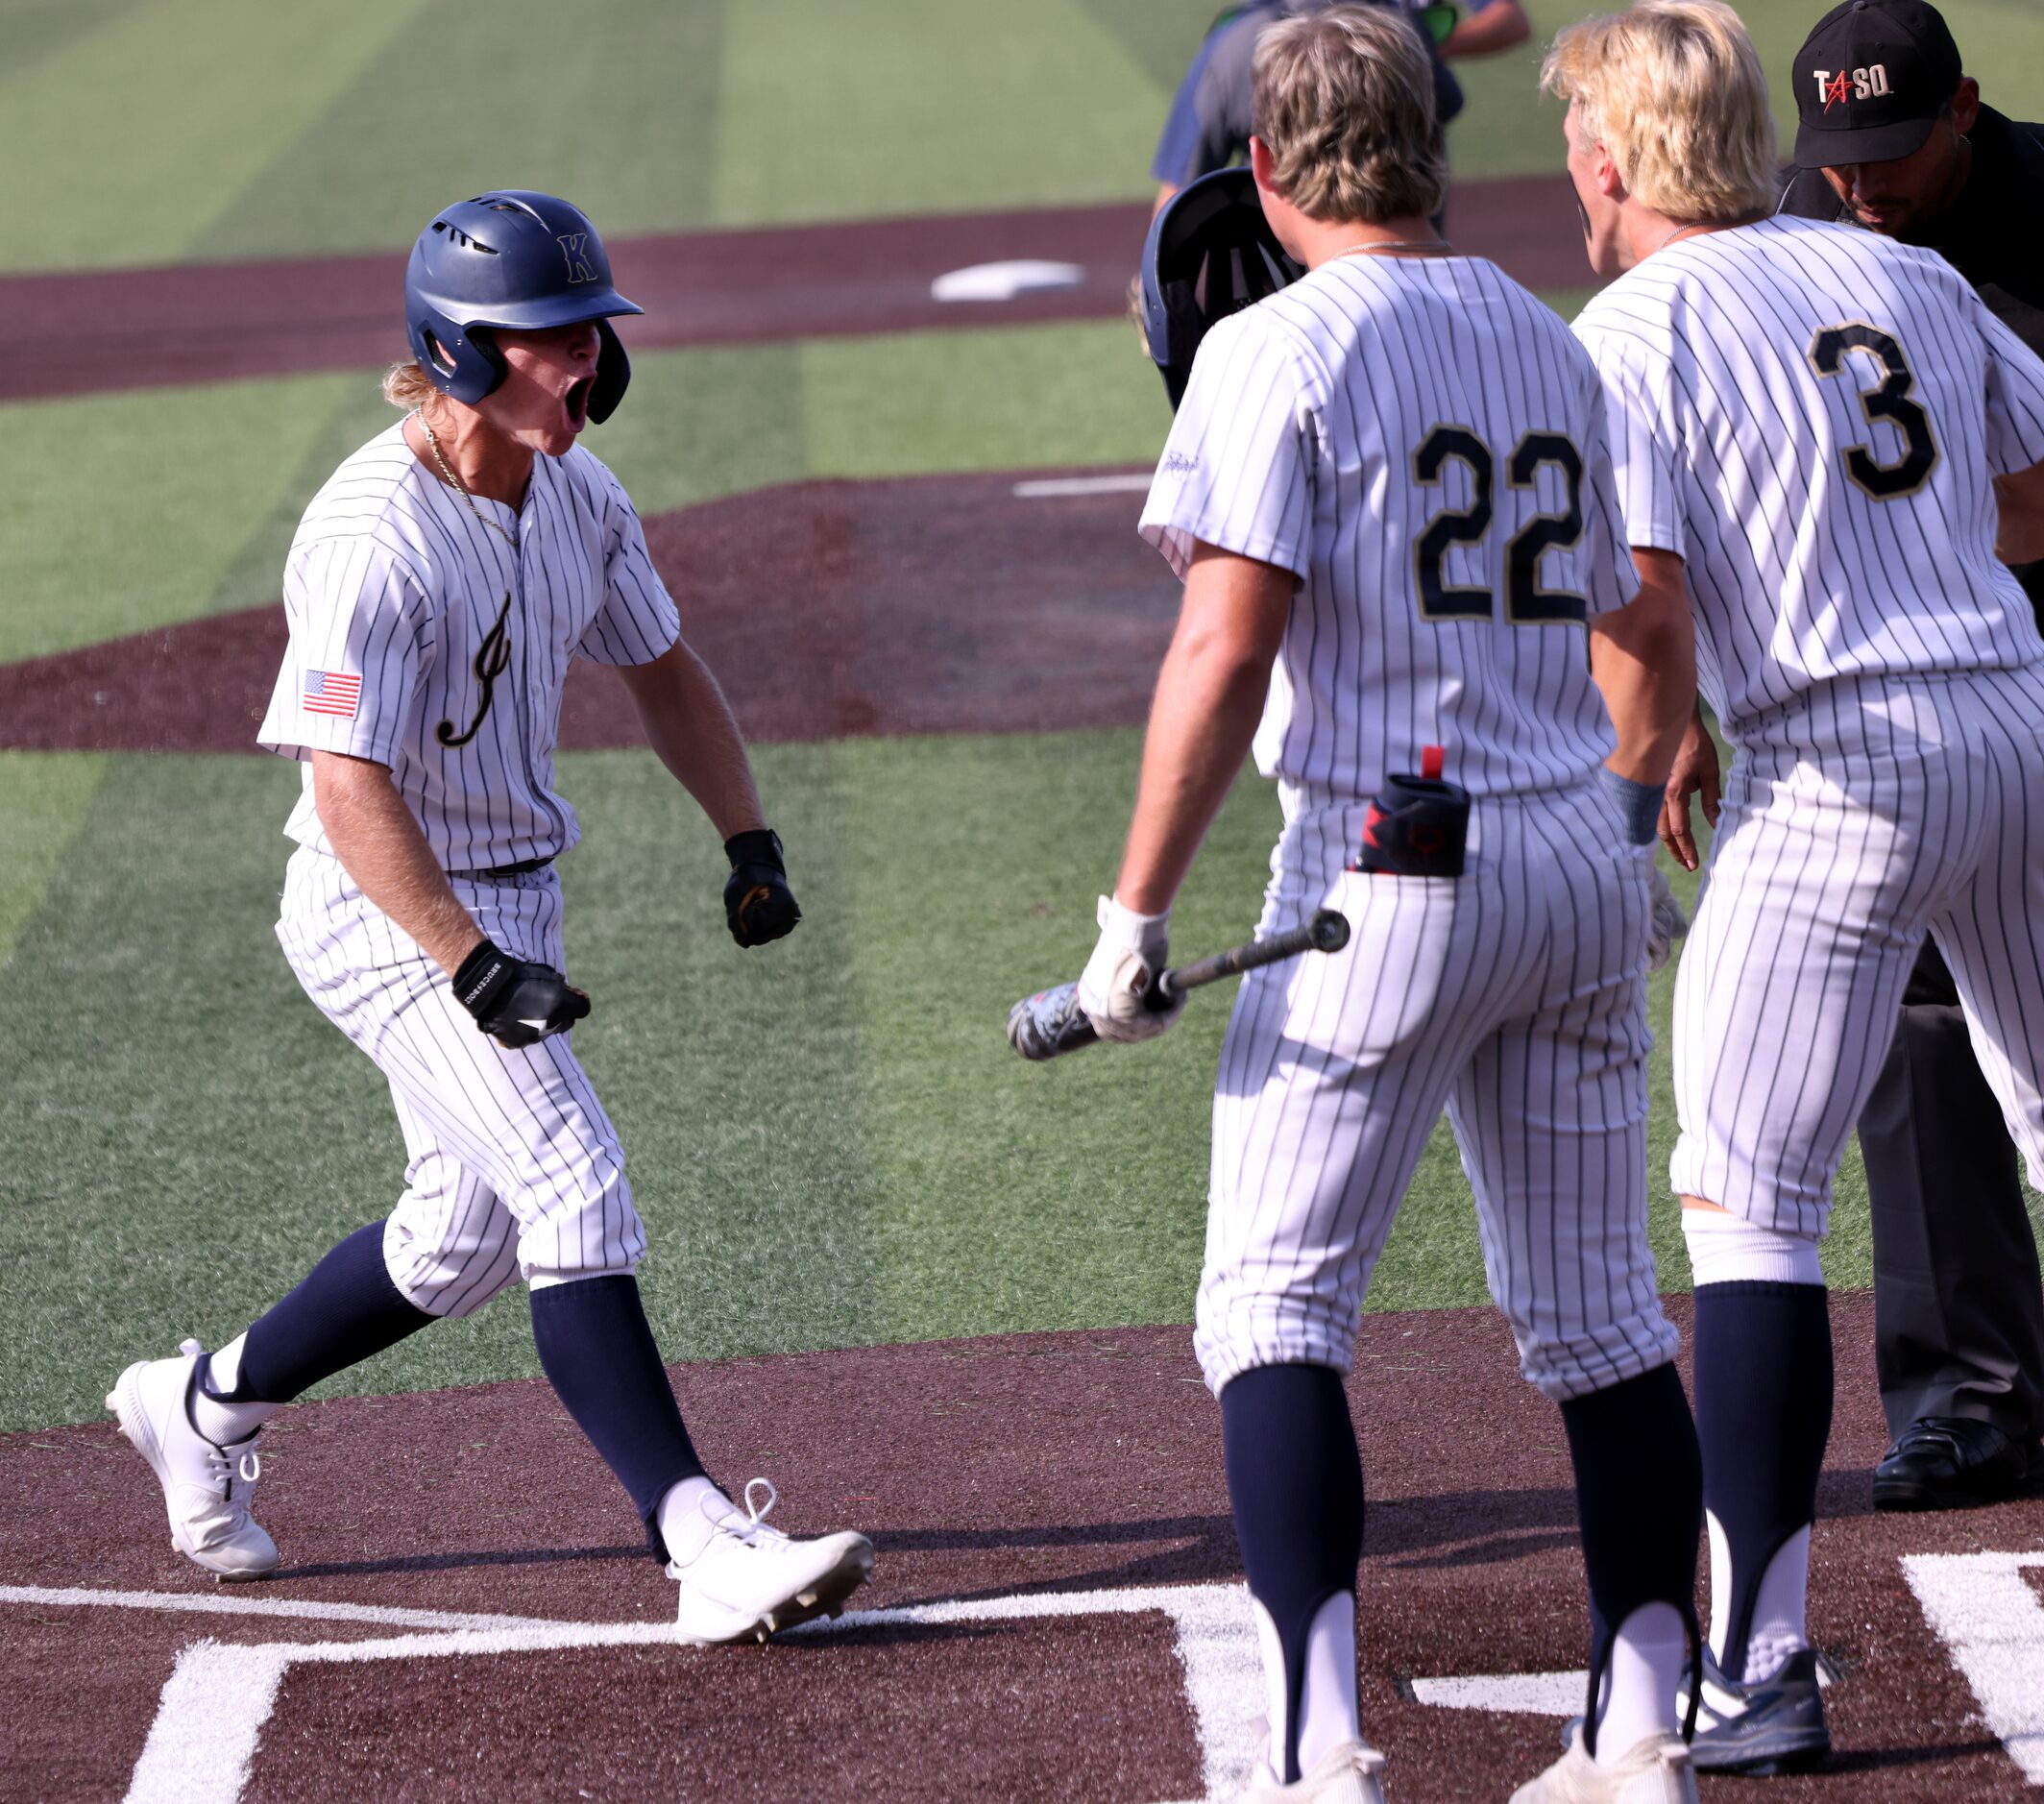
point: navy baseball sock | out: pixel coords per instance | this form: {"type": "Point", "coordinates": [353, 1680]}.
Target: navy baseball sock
{"type": "Point", "coordinates": [345, 1309]}
{"type": "Point", "coordinates": [1296, 1481]}
{"type": "Point", "coordinates": [1638, 1496]}
{"type": "Point", "coordinates": [1763, 1415]}
{"type": "Point", "coordinates": [598, 1354]}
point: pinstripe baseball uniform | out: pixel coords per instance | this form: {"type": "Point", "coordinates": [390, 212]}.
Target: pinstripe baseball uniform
{"type": "Point", "coordinates": [423, 641]}
{"type": "Point", "coordinates": [1422, 443]}
{"type": "Point", "coordinates": [1811, 417]}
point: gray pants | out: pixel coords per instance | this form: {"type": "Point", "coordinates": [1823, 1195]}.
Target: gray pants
{"type": "Point", "coordinates": [1958, 1306]}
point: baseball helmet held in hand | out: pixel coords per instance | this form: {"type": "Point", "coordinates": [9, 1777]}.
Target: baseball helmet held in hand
{"type": "Point", "coordinates": [513, 258]}
{"type": "Point", "coordinates": [1210, 252]}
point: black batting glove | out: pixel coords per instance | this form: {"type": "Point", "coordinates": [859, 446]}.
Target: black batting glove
{"type": "Point", "coordinates": [515, 1001]}
{"type": "Point", "coordinates": [757, 903]}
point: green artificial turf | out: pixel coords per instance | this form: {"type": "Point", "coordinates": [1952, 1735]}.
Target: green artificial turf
{"type": "Point", "coordinates": [212, 481]}
{"type": "Point", "coordinates": [43, 799]}
{"type": "Point", "coordinates": [122, 512]}
{"type": "Point", "coordinates": [613, 103]}
{"type": "Point", "coordinates": [926, 106]}
{"type": "Point", "coordinates": [192, 132]}
{"type": "Point", "coordinates": [132, 139]}
{"type": "Point", "coordinates": [1001, 398]}
{"type": "Point", "coordinates": [830, 1141]}
{"type": "Point", "coordinates": [36, 30]}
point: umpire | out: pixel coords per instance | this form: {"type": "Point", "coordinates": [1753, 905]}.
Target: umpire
{"type": "Point", "coordinates": [1208, 125]}
{"type": "Point", "coordinates": [1894, 137]}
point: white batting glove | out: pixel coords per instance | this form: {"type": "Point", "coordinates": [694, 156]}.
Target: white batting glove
{"type": "Point", "coordinates": [1669, 923]}
{"type": "Point", "coordinates": [1117, 977]}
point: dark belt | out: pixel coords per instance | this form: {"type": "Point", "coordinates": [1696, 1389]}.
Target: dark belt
{"type": "Point", "coordinates": [525, 867]}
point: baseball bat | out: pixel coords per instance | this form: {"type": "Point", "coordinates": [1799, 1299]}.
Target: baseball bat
{"type": "Point", "coordinates": [1051, 1023]}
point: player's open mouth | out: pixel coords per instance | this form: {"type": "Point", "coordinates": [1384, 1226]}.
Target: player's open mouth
{"type": "Point", "coordinates": [576, 404]}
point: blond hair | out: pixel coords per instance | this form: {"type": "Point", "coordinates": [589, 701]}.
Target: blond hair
{"type": "Point", "coordinates": [1345, 105]}
{"type": "Point", "coordinates": [1674, 93]}
{"type": "Point", "coordinates": [406, 385]}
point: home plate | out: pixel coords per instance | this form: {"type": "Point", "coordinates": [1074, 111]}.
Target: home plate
{"type": "Point", "coordinates": [1006, 281]}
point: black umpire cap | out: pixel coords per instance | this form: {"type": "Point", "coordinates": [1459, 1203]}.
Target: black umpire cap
{"type": "Point", "coordinates": [1870, 81]}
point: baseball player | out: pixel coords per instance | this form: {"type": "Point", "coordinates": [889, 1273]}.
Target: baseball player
{"type": "Point", "coordinates": [1208, 125]}
{"type": "Point", "coordinates": [1811, 425]}
{"type": "Point", "coordinates": [437, 589]}
{"type": "Point", "coordinates": [1959, 1308]}
{"type": "Point", "coordinates": [1387, 494]}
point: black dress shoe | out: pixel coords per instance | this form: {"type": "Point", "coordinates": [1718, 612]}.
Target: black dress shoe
{"type": "Point", "coordinates": [1953, 1463]}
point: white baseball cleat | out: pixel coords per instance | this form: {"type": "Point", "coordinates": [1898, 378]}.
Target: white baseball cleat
{"type": "Point", "coordinates": [207, 1488]}
{"type": "Point", "coordinates": [1656, 1770]}
{"type": "Point", "coordinates": [1350, 1773]}
{"type": "Point", "coordinates": [750, 1580]}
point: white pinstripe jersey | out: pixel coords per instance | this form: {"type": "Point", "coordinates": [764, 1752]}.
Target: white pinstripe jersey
{"type": "Point", "coordinates": [1422, 443]}
{"type": "Point", "coordinates": [1810, 415]}
{"type": "Point", "coordinates": [422, 641]}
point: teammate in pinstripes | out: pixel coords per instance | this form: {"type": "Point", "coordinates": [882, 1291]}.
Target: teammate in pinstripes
{"type": "Point", "coordinates": [437, 589]}
{"type": "Point", "coordinates": [1810, 426]}
{"type": "Point", "coordinates": [1388, 494]}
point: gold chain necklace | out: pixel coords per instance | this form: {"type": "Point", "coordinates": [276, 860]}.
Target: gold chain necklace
{"type": "Point", "coordinates": [454, 482]}
{"type": "Point", "coordinates": [1399, 247]}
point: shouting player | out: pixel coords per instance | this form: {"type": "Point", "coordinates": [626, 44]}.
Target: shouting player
{"type": "Point", "coordinates": [1388, 494]}
{"type": "Point", "coordinates": [437, 589]}
{"type": "Point", "coordinates": [1809, 425]}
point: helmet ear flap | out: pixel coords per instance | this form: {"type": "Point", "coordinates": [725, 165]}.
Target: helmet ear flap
{"type": "Point", "coordinates": [463, 362]}
{"type": "Point", "coordinates": [614, 373]}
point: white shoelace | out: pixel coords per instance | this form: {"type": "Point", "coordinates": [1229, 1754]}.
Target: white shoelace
{"type": "Point", "coordinates": [754, 1529]}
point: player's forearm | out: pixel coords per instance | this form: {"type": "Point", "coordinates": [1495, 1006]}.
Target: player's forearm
{"type": "Point", "coordinates": [1501, 25]}
{"type": "Point", "coordinates": [1201, 724]}
{"type": "Point", "coordinates": [693, 732]}
{"type": "Point", "coordinates": [379, 844]}
{"type": "Point", "coordinates": [1643, 661]}
{"type": "Point", "coordinates": [1209, 696]}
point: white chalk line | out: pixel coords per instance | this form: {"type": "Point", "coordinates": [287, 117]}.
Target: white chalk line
{"type": "Point", "coordinates": [1992, 1621]}
{"type": "Point", "coordinates": [210, 1715]}
{"type": "Point", "coordinates": [206, 1603]}
{"type": "Point", "coordinates": [1056, 488]}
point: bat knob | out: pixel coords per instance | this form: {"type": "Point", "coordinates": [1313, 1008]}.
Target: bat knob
{"type": "Point", "coordinates": [1329, 928]}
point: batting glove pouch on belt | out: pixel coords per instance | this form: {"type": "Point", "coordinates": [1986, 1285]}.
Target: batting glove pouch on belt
{"type": "Point", "coordinates": [514, 1001]}
{"type": "Point", "coordinates": [757, 903]}
{"type": "Point", "coordinates": [1118, 986]}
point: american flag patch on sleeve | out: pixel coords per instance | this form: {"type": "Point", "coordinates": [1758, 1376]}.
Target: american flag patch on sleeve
{"type": "Point", "coordinates": [332, 692]}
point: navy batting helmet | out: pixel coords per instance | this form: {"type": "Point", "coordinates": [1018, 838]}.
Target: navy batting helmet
{"type": "Point", "coordinates": [511, 258]}
{"type": "Point", "coordinates": [1210, 252]}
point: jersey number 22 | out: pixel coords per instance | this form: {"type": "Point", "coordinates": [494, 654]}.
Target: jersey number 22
{"type": "Point", "coordinates": [1525, 602]}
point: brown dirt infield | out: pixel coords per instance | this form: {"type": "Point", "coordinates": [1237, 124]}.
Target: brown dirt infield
{"type": "Point", "coordinates": [1044, 1463]}
{"type": "Point", "coordinates": [74, 333]}
{"type": "Point", "coordinates": [926, 606]}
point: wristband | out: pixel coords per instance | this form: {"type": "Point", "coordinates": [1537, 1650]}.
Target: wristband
{"type": "Point", "coordinates": [479, 974]}
{"type": "Point", "coordinates": [756, 845]}
{"type": "Point", "coordinates": [1639, 804]}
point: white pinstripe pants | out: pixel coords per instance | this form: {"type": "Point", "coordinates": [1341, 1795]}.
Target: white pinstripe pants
{"type": "Point", "coordinates": [1855, 819]}
{"type": "Point", "coordinates": [514, 1169]}
{"type": "Point", "coordinates": [1514, 995]}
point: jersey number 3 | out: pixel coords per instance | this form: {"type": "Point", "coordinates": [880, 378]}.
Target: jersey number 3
{"type": "Point", "coordinates": [1525, 602]}
{"type": "Point", "coordinates": [1890, 401]}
